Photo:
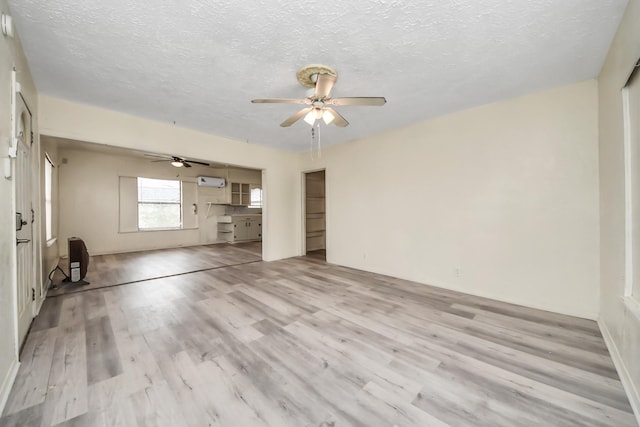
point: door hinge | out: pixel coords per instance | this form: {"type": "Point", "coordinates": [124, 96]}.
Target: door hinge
{"type": "Point", "coordinates": [33, 294]}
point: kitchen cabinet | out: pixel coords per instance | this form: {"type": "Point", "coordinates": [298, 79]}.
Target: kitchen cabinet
{"type": "Point", "coordinates": [240, 194]}
{"type": "Point", "coordinates": [238, 228]}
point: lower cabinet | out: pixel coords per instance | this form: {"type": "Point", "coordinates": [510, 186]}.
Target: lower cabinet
{"type": "Point", "coordinates": [240, 228]}
{"type": "Point", "coordinates": [247, 228]}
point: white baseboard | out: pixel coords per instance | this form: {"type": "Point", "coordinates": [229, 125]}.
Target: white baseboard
{"type": "Point", "coordinates": [7, 384]}
{"type": "Point", "coordinates": [625, 378]}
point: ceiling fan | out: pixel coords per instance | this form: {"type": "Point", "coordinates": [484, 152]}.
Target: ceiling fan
{"type": "Point", "coordinates": [319, 103]}
{"type": "Point", "coordinates": [176, 161]}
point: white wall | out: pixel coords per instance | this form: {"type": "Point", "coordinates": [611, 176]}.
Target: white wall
{"type": "Point", "coordinates": [281, 218]}
{"type": "Point", "coordinates": [89, 201]}
{"type": "Point", "coordinates": [10, 55]}
{"type": "Point", "coordinates": [620, 325]}
{"type": "Point", "coordinates": [499, 201]}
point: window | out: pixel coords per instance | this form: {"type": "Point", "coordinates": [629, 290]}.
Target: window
{"type": "Point", "coordinates": [48, 197]}
{"type": "Point", "coordinates": [159, 204]}
{"type": "Point", "coordinates": [631, 104]}
{"type": "Point", "coordinates": [256, 197]}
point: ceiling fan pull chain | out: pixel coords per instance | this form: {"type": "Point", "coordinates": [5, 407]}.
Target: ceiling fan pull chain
{"type": "Point", "coordinates": [315, 141]}
{"type": "Point", "coordinates": [318, 137]}
{"type": "Point", "coordinates": [313, 136]}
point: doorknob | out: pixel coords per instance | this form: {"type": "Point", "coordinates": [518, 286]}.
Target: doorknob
{"type": "Point", "coordinates": [18, 241]}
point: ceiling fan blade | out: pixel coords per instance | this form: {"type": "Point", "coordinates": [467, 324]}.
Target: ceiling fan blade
{"type": "Point", "coordinates": [186, 164]}
{"type": "Point", "coordinates": [338, 119]}
{"type": "Point", "coordinates": [197, 163]}
{"type": "Point", "coordinates": [297, 116]}
{"type": "Point", "coordinates": [359, 100]}
{"type": "Point", "coordinates": [164, 160]}
{"type": "Point", "coordinates": [158, 156]}
{"type": "Point", "coordinates": [279, 101]}
{"type": "Point", "coordinates": [324, 84]}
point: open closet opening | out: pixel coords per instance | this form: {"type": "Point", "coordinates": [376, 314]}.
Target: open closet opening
{"type": "Point", "coordinates": [315, 214]}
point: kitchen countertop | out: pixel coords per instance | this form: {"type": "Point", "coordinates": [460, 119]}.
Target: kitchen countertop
{"type": "Point", "coordinates": [229, 218]}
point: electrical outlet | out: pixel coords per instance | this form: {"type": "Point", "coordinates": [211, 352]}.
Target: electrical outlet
{"type": "Point", "coordinates": [457, 271]}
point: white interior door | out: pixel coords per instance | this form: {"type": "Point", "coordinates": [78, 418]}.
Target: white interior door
{"type": "Point", "coordinates": [25, 267]}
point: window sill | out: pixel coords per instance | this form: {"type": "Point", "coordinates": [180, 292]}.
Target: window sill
{"type": "Point", "coordinates": [51, 242]}
{"type": "Point", "coordinates": [633, 306]}
{"type": "Point", "coordinates": [151, 230]}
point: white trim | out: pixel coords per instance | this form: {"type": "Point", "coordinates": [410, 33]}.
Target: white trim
{"type": "Point", "coordinates": [7, 384]}
{"type": "Point", "coordinates": [628, 197]}
{"type": "Point", "coordinates": [625, 378]}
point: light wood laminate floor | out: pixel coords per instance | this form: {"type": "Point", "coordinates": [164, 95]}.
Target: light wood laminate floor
{"type": "Point", "coordinates": [300, 342]}
{"type": "Point", "coordinates": [123, 268]}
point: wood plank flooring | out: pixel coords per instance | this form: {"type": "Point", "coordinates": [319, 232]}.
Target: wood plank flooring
{"type": "Point", "coordinates": [300, 342]}
{"type": "Point", "coordinates": [117, 269]}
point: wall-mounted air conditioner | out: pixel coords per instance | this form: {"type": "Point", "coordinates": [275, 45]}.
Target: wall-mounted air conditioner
{"type": "Point", "coordinates": [208, 181]}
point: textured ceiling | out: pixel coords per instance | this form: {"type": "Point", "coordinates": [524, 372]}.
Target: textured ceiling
{"type": "Point", "coordinates": [198, 63]}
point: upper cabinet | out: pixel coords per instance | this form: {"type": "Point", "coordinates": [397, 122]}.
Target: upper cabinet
{"type": "Point", "coordinates": [243, 194]}
{"type": "Point", "coordinates": [240, 194]}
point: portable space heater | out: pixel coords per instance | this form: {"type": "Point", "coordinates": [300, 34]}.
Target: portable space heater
{"type": "Point", "coordinates": [78, 261]}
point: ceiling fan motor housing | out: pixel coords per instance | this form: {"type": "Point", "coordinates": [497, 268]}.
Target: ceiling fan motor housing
{"type": "Point", "coordinates": [308, 75]}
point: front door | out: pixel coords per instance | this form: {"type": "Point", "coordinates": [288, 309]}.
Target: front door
{"type": "Point", "coordinates": [24, 220]}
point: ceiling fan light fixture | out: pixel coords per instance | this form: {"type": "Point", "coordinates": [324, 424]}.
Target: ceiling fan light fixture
{"type": "Point", "coordinates": [310, 118]}
{"type": "Point", "coordinates": [177, 163]}
{"type": "Point", "coordinates": [318, 102]}
{"type": "Point", "coordinates": [327, 117]}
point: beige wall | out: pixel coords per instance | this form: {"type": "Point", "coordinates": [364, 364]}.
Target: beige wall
{"type": "Point", "coordinates": [281, 222]}
{"type": "Point", "coordinates": [10, 55]}
{"type": "Point", "coordinates": [89, 201]}
{"type": "Point", "coordinates": [620, 325]}
{"type": "Point", "coordinates": [499, 201]}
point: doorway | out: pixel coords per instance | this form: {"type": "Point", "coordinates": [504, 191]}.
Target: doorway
{"type": "Point", "coordinates": [315, 214]}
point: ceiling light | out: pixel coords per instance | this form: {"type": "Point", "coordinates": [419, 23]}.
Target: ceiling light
{"type": "Point", "coordinates": [318, 113]}
{"type": "Point", "coordinates": [327, 117]}
{"type": "Point", "coordinates": [177, 163]}
{"type": "Point", "coordinates": [310, 118]}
